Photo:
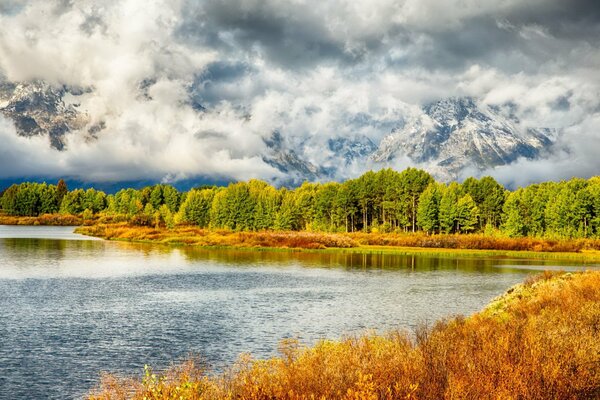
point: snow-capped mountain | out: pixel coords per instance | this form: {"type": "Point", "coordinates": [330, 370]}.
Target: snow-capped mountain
{"type": "Point", "coordinates": [281, 156]}
{"type": "Point", "coordinates": [454, 134]}
{"type": "Point", "coordinates": [351, 149]}
{"type": "Point", "coordinates": [36, 108]}
{"type": "Point", "coordinates": [446, 137]}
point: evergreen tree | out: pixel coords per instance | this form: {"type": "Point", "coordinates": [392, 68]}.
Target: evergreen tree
{"type": "Point", "coordinates": [9, 200]}
{"type": "Point", "coordinates": [72, 202]}
{"type": "Point", "coordinates": [48, 199]}
{"type": "Point", "coordinates": [413, 182]}
{"type": "Point", "coordinates": [61, 191]}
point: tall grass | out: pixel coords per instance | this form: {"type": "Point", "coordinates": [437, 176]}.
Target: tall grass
{"type": "Point", "coordinates": [475, 242]}
{"type": "Point", "coordinates": [202, 237]}
{"type": "Point", "coordinates": [122, 230]}
{"type": "Point", "coordinates": [44, 219]}
{"type": "Point", "coordinates": [541, 340]}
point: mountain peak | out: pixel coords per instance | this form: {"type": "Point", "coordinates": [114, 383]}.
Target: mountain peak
{"type": "Point", "coordinates": [37, 108]}
{"type": "Point", "coordinates": [451, 135]}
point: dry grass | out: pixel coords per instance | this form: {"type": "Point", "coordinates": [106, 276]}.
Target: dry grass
{"type": "Point", "coordinates": [201, 237]}
{"type": "Point", "coordinates": [117, 229]}
{"type": "Point", "coordinates": [541, 340]}
{"type": "Point", "coordinates": [475, 242]}
{"type": "Point", "coordinates": [45, 219]}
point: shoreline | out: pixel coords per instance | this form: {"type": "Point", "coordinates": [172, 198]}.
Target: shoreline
{"type": "Point", "coordinates": [318, 242]}
{"type": "Point", "coordinates": [246, 241]}
{"type": "Point", "coordinates": [501, 351]}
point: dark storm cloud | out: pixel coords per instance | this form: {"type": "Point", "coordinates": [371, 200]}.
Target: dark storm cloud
{"type": "Point", "coordinates": [208, 86]}
{"type": "Point", "coordinates": [573, 19]}
{"type": "Point", "coordinates": [294, 35]}
{"type": "Point", "coordinates": [288, 35]}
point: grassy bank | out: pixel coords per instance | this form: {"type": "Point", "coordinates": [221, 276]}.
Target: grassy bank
{"type": "Point", "coordinates": [540, 340]}
{"type": "Point", "coordinates": [188, 235]}
{"type": "Point", "coordinates": [44, 219]}
{"type": "Point", "coordinates": [475, 245]}
{"type": "Point", "coordinates": [408, 244]}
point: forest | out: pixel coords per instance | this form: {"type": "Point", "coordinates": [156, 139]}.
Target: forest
{"type": "Point", "coordinates": [382, 201]}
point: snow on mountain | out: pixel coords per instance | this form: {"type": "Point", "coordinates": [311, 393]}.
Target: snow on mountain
{"type": "Point", "coordinates": [456, 134]}
{"type": "Point", "coordinates": [36, 108]}
{"type": "Point", "coordinates": [446, 137]}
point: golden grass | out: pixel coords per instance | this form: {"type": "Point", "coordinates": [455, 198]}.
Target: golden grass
{"type": "Point", "coordinates": [44, 219]}
{"type": "Point", "coordinates": [189, 235]}
{"type": "Point", "coordinates": [418, 243]}
{"type": "Point", "coordinates": [541, 340]}
{"type": "Point", "coordinates": [475, 242]}
{"type": "Point", "coordinates": [118, 227]}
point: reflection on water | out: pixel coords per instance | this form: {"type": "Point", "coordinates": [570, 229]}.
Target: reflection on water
{"type": "Point", "coordinates": [72, 308]}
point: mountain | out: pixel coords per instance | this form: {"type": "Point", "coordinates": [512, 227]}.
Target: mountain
{"type": "Point", "coordinates": [455, 134]}
{"type": "Point", "coordinates": [36, 108]}
{"type": "Point", "coordinates": [282, 157]}
{"type": "Point", "coordinates": [447, 137]}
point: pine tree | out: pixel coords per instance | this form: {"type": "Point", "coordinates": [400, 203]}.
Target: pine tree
{"type": "Point", "coordinates": [61, 191]}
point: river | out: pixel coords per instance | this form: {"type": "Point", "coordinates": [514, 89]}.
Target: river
{"type": "Point", "coordinates": [71, 307]}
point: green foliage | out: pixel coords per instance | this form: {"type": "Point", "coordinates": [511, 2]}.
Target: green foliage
{"type": "Point", "coordinates": [448, 208]}
{"type": "Point", "coordinates": [467, 214]}
{"type": "Point", "coordinates": [9, 200]}
{"type": "Point", "coordinates": [171, 198]}
{"type": "Point", "coordinates": [72, 202]}
{"type": "Point", "coordinates": [61, 191]}
{"type": "Point", "coordinates": [428, 211]}
{"type": "Point", "coordinates": [514, 221]}
{"type": "Point", "coordinates": [288, 216]}
{"type": "Point", "coordinates": [384, 201]}
{"type": "Point", "coordinates": [167, 216]}
{"type": "Point", "coordinates": [233, 208]}
{"type": "Point", "coordinates": [196, 207]}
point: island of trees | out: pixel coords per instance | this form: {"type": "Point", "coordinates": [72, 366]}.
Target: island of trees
{"type": "Point", "coordinates": [383, 201]}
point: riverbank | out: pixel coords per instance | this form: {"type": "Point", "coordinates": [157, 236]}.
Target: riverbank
{"type": "Point", "coordinates": [44, 219]}
{"type": "Point", "coordinates": [365, 243]}
{"type": "Point", "coordinates": [471, 245]}
{"type": "Point", "coordinates": [539, 340]}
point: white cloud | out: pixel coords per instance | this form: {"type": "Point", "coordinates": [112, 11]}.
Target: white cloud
{"type": "Point", "coordinates": [312, 70]}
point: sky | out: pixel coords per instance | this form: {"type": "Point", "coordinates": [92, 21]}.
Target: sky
{"type": "Point", "coordinates": [311, 70]}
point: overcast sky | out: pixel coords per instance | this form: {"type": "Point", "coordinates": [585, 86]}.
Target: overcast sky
{"type": "Point", "coordinates": [309, 69]}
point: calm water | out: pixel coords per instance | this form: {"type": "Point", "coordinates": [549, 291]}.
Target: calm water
{"type": "Point", "coordinates": [70, 308]}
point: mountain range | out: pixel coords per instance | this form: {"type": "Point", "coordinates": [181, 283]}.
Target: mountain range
{"type": "Point", "coordinates": [447, 137]}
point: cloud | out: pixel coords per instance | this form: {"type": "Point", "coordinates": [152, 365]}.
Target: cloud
{"type": "Point", "coordinates": [312, 70]}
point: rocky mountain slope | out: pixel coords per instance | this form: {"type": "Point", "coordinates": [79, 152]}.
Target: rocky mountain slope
{"type": "Point", "coordinates": [454, 134]}
{"type": "Point", "coordinates": [36, 108]}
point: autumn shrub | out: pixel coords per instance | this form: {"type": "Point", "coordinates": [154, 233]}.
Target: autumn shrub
{"type": "Point", "coordinates": [540, 340]}
{"type": "Point", "coordinates": [141, 220]}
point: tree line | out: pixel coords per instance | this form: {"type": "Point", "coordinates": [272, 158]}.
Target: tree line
{"type": "Point", "coordinates": [382, 201]}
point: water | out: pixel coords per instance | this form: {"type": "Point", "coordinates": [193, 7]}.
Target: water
{"type": "Point", "coordinates": [70, 308]}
